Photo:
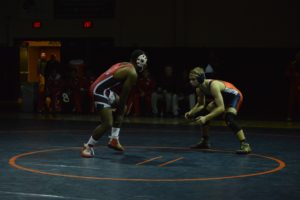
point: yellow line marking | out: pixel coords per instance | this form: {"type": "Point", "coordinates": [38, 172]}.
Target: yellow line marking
{"type": "Point", "coordinates": [149, 160]}
{"type": "Point", "coordinates": [171, 161]}
{"type": "Point", "coordinates": [12, 161]}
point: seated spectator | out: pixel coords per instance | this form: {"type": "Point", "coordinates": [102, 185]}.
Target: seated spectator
{"type": "Point", "coordinates": [139, 101]}
{"type": "Point", "coordinates": [76, 91]}
{"type": "Point", "coordinates": [186, 94]}
{"type": "Point", "coordinates": [85, 81]}
{"type": "Point", "coordinates": [164, 99]}
{"type": "Point", "coordinates": [146, 86]}
{"type": "Point", "coordinates": [54, 86]}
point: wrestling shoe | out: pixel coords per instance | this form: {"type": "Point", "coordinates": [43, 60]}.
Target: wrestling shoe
{"type": "Point", "coordinates": [115, 144]}
{"type": "Point", "coordinates": [245, 149]}
{"type": "Point", "coordinates": [203, 144]}
{"type": "Point", "coordinates": [87, 151]}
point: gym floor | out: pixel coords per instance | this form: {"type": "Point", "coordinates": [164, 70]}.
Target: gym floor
{"type": "Point", "coordinates": [40, 160]}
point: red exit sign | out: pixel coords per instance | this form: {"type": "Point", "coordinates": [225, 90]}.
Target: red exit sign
{"type": "Point", "coordinates": [36, 24]}
{"type": "Point", "coordinates": [87, 24]}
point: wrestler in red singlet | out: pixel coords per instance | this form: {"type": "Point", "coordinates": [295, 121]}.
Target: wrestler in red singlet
{"type": "Point", "coordinates": [111, 106]}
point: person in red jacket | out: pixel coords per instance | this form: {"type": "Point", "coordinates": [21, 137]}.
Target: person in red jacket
{"type": "Point", "coordinates": [225, 98]}
{"type": "Point", "coordinates": [146, 86]}
{"type": "Point", "coordinates": [111, 106]}
{"type": "Point", "coordinates": [140, 99]}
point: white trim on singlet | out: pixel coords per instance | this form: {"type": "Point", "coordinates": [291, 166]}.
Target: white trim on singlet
{"type": "Point", "coordinates": [105, 105]}
{"type": "Point", "coordinates": [96, 86]}
{"type": "Point", "coordinates": [231, 91]}
{"type": "Point", "coordinates": [102, 95]}
{"type": "Point", "coordinates": [109, 88]}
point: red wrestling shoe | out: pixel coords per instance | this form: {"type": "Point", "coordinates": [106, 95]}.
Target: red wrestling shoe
{"type": "Point", "coordinates": [115, 144]}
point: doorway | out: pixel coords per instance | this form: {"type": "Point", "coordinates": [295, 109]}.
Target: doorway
{"type": "Point", "coordinates": [33, 57]}
{"type": "Point", "coordinates": [31, 53]}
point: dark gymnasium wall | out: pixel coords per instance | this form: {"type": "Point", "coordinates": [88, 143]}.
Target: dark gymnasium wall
{"type": "Point", "coordinates": [258, 72]}
{"type": "Point", "coordinates": [252, 40]}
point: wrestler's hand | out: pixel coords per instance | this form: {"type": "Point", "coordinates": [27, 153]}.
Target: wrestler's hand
{"type": "Point", "coordinates": [201, 120]}
{"type": "Point", "coordinates": [188, 115]}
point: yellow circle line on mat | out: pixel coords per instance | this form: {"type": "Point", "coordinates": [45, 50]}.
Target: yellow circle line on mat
{"type": "Point", "coordinates": [12, 162]}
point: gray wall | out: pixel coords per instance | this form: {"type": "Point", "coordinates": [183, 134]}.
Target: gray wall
{"type": "Point", "coordinates": [160, 23]}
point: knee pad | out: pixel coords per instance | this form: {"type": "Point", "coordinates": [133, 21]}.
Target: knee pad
{"type": "Point", "coordinates": [231, 122]}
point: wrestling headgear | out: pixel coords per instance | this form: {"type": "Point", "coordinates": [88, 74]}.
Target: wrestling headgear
{"type": "Point", "coordinates": [201, 78]}
{"type": "Point", "coordinates": [199, 73]}
{"type": "Point", "coordinates": [140, 58]}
